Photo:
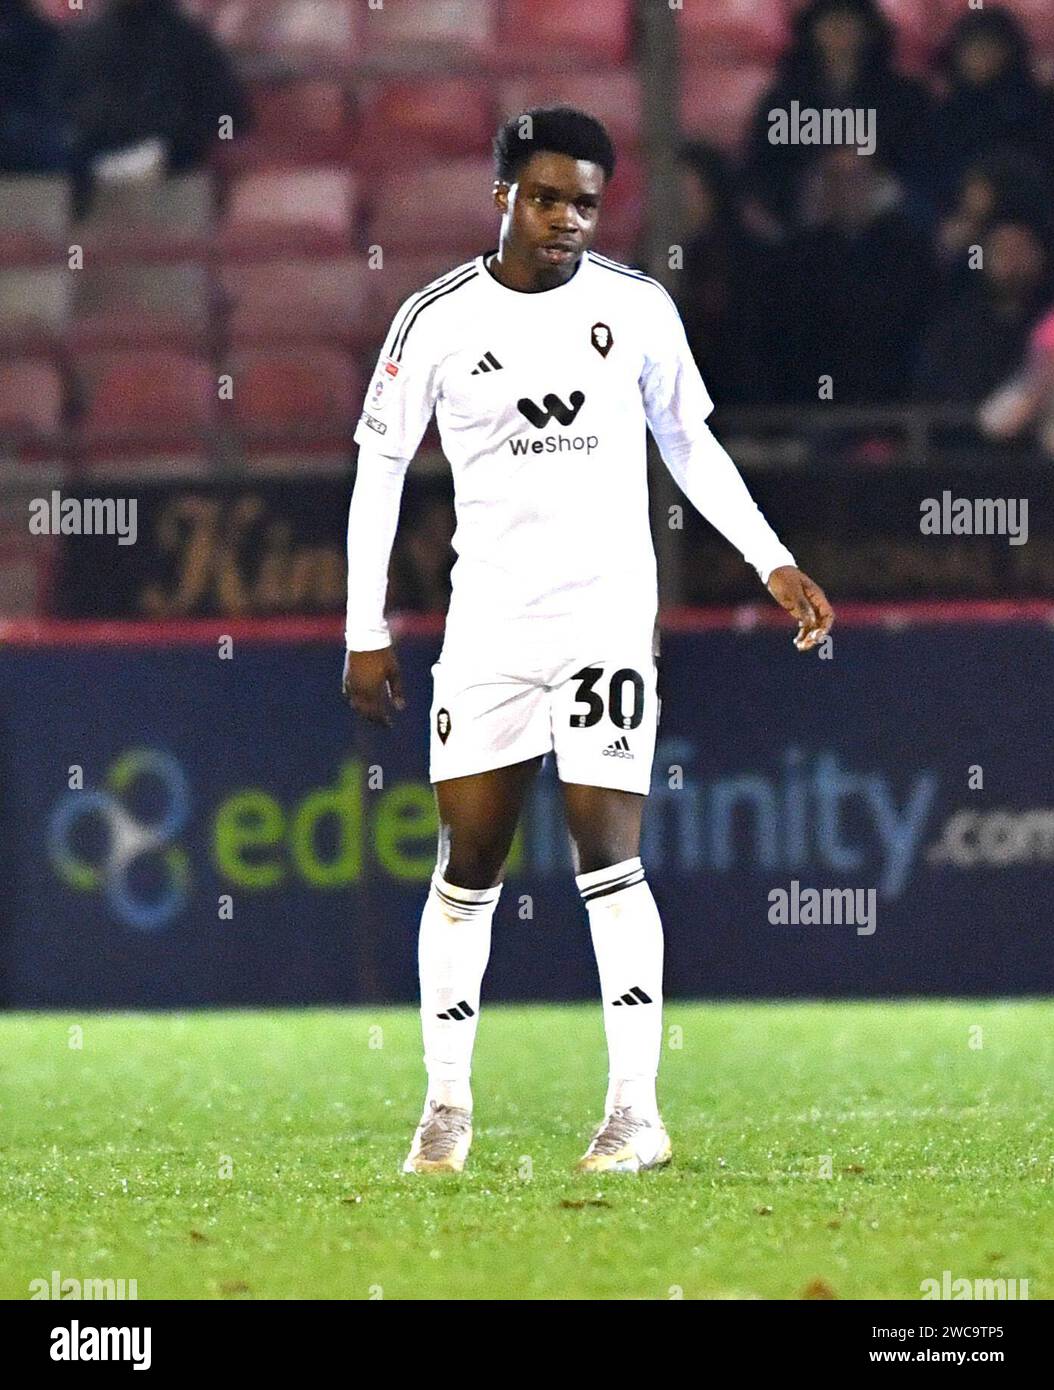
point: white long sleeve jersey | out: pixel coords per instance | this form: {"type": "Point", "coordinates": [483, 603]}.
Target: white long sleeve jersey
{"type": "Point", "coordinates": [542, 401]}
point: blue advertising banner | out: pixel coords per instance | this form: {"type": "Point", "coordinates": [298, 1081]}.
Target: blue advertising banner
{"type": "Point", "coordinates": [182, 826]}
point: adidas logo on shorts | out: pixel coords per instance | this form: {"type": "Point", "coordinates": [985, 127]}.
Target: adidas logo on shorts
{"type": "Point", "coordinates": [618, 749]}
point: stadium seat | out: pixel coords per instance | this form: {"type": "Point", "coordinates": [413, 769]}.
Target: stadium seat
{"type": "Point", "coordinates": [159, 399]}
{"type": "Point", "coordinates": [25, 565]}
{"type": "Point", "coordinates": [148, 220]}
{"type": "Point", "coordinates": [403, 274]}
{"type": "Point", "coordinates": [423, 119]}
{"type": "Point", "coordinates": [446, 204]}
{"type": "Point", "coordinates": [313, 396]}
{"type": "Point", "coordinates": [415, 34]}
{"type": "Point", "coordinates": [34, 214]}
{"type": "Point", "coordinates": [62, 12]}
{"type": "Point", "coordinates": [31, 401]}
{"type": "Point", "coordinates": [755, 30]}
{"type": "Point", "coordinates": [296, 122]}
{"type": "Point", "coordinates": [556, 34]}
{"type": "Point", "coordinates": [302, 34]}
{"type": "Point", "coordinates": [918, 33]}
{"type": "Point", "coordinates": [621, 221]}
{"type": "Point", "coordinates": [125, 305]}
{"type": "Point", "coordinates": [289, 301]}
{"type": "Point", "coordinates": [718, 100]}
{"type": "Point", "coordinates": [614, 97]}
{"type": "Point", "coordinates": [307, 211]}
{"type": "Point", "coordinates": [34, 308]}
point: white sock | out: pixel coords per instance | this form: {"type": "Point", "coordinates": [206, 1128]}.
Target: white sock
{"type": "Point", "coordinates": [452, 952]}
{"type": "Point", "coordinates": [627, 940]}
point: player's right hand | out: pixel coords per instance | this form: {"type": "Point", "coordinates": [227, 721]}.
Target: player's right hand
{"type": "Point", "coordinates": [373, 684]}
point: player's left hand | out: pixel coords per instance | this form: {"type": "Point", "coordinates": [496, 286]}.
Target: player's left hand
{"type": "Point", "coordinates": [805, 600]}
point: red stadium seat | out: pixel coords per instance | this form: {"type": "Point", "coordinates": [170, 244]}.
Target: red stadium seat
{"type": "Point", "coordinates": [613, 97]}
{"type": "Point", "coordinates": [61, 12]}
{"type": "Point", "coordinates": [290, 301]}
{"type": "Point", "coordinates": [296, 122]}
{"type": "Point", "coordinates": [34, 215]}
{"type": "Point", "coordinates": [26, 564]}
{"type": "Point", "coordinates": [295, 394]}
{"type": "Point", "coordinates": [446, 204]}
{"type": "Point", "coordinates": [415, 33]}
{"type": "Point", "coordinates": [918, 32]}
{"type": "Point", "coordinates": [403, 274]}
{"type": "Point", "coordinates": [756, 30]}
{"type": "Point", "coordinates": [554, 33]}
{"type": "Point", "coordinates": [31, 401]}
{"type": "Point", "coordinates": [303, 33]}
{"type": "Point", "coordinates": [34, 308]}
{"type": "Point", "coordinates": [718, 100]}
{"type": "Point", "coordinates": [309, 210]}
{"type": "Point", "coordinates": [423, 119]}
{"type": "Point", "coordinates": [155, 219]}
{"type": "Point", "coordinates": [119, 306]}
{"type": "Point", "coordinates": [162, 399]}
{"type": "Point", "coordinates": [622, 218]}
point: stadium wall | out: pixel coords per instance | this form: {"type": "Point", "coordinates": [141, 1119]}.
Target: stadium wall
{"type": "Point", "coordinates": [227, 846]}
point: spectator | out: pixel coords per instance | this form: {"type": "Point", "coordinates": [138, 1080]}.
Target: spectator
{"type": "Point", "coordinates": [726, 282]}
{"type": "Point", "coordinates": [32, 139]}
{"type": "Point", "coordinates": [1027, 399]}
{"type": "Point", "coordinates": [993, 100]}
{"type": "Point", "coordinates": [1003, 185]}
{"type": "Point", "coordinates": [856, 285]}
{"type": "Point", "coordinates": [979, 339]}
{"type": "Point", "coordinates": [147, 84]}
{"type": "Point", "coordinates": [841, 56]}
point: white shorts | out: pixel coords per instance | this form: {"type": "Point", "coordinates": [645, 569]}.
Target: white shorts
{"type": "Point", "coordinates": [599, 716]}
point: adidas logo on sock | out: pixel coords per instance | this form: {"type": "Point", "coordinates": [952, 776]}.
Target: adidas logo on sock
{"type": "Point", "coordinates": [634, 996]}
{"type": "Point", "coordinates": [487, 363]}
{"type": "Point", "coordinates": [461, 1011]}
{"type": "Point", "coordinates": [618, 749]}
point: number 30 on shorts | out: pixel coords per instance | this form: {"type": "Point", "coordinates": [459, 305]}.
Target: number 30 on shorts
{"type": "Point", "coordinates": [617, 698]}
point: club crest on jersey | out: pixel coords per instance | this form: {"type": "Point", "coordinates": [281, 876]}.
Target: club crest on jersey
{"type": "Point", "coordinates": [601, 336]}
{"type": "Point", "coordinates": [443, 725]}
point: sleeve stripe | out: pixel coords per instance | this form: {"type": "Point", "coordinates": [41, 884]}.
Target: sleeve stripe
{"type": "Point", "coordinates": [401, 332]}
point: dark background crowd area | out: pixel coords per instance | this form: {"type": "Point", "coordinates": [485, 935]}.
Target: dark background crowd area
{"type": "Point", "coordinates": [799, 260]}
{"type": "Point", "coordinates": [921, 274]}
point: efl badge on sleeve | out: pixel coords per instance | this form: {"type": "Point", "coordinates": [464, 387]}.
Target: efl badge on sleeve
{"type": "Point", "coordinates": [601, 338]}
{"type": "Point", "coordinates": [443, 725]}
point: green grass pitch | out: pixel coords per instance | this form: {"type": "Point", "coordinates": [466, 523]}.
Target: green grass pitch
{"type": "Point", "coordinates": [256, 1154]}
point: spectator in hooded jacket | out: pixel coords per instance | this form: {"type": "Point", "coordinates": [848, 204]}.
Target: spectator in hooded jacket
{"type": "Point", "coordinates": [841, 56]}
{"type": "Point", "coordinates": [32, 135]}
{"type": "Point", "coordinates": [146, 78]}
{"type": "Point", "coordinates": [993, 100]}
{"type": "Point", "coordinates": [978, 340]}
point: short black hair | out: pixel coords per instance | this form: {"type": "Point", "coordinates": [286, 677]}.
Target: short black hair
{"type": "Point", "coordinates": [557, 130]}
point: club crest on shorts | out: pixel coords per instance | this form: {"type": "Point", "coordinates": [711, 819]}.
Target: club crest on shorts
{"type": "Point", "coordinates": [601, 336]}
{"type": "Point", "coordinates": [443, 724]}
